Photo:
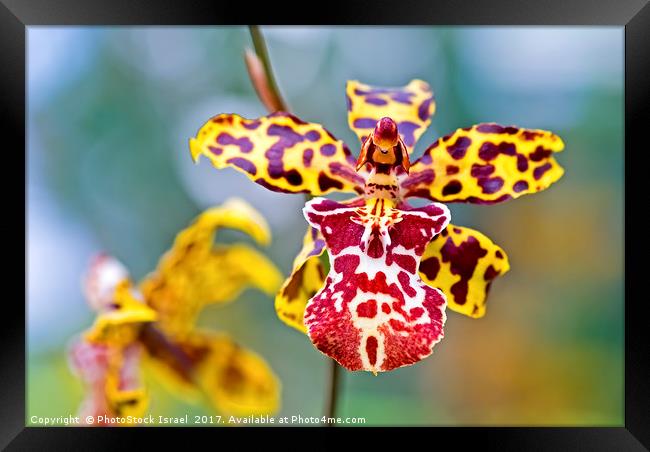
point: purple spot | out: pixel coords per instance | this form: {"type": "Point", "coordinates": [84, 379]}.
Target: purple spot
{"type": "Point", "coordinates": [314, 233]}
{"type": "Point", "coordinates": [522, 163]}
{"type": "Point", "coordinates": [426, 159]}
{"type": "Point", "coordinates": [275, 152]}
{"type": "Point", "coordinates": [348, 102]}
{"type": "Point", "coordinates": [423, 110]}
{"type": "Point", "coordinates": [452, 188]}
{"type": "Point", "coordinates": [423, 177]}
{"type": "Point", "coordinates": [407, 130]}
{"type": "Point", "coordinates": [530, 135]}
{"type": "Point", "coordinates": [507, 148]}
{"type": "Point", "coordinates": [364, 123]}
{"type": "Point", "coordinates": [487, 202]}
{"type": "Point", "coordinates": [276, 169]}
{"type": "Point", "coordinates": [490, 273]}
{"type": "Point", "coordinates": [245, 145]}
{"type": "Point", "coordinates": [430, 267]}
{"type": "Point", "coordinates": [215, 150]}
{"type": "Point", "coordinates": [481, 170]}
{"type": "Point", "coordinates": [375, 101]}
{"type": "Point", "coordinates": [520, 186]}
{"type": "Point", "coordinates": [375, 90]}
{"type": "Point", "coordinates": [319, 244]}
{"type": "Point", "coordinates": [539, 154]}
{"type": "Point", "coordinates": [540, 170]}
{"type": "Point", "coordinates": [328, 149]}
{"type": "Point", "coordinates": [463, 260]}
{"type": "Point", "coordinates": [347, 173]}
{"type": "Point", "coordinates": [223, 118]}
{"type": "Point", "coordinates": [312, 135]}
{"type": "Point", "coordinates": [288, 137]}
{"type": "Point", "coordinates": [272, 187]}
{"type": "Point", "coordinates": [307, 156]}
{"type": "Point", "coordinates": [459, 148]}
{"type": "Point", "coordinates": [293, 177]}
{"type": "Point", "coordinates": [243, 164]}
{"type": "Point", "coordinates": [252, 125]}
{"type": "Point", "coordinates": [490, 128]}
{"type": "Point", "coordinates": [491, 185]}
{"type": "Point", "coordinates": [490, 151]}
{"type": "Point", "coordinates": [402, 97]}
{"type": "Point", "coordinates": [452, 169]}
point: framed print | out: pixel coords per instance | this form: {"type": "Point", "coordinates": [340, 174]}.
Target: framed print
{"type": "Point", "coordinates": [231, 225]}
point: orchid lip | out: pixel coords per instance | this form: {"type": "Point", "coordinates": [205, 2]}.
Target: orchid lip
{"type": "Point", "coordinates": [374, 313]}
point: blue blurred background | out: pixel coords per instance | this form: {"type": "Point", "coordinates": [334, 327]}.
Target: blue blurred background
{"type": "Point", "coordinates": [109, 116]}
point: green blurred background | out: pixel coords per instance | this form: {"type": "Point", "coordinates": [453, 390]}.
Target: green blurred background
{"type": "Point", "coordinates": [110, 114]}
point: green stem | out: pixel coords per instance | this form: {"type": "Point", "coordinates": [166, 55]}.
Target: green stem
{"type": "Point", "coordinates": [262, 53]}
{"type": "Point", "coordinates": [335, 371]}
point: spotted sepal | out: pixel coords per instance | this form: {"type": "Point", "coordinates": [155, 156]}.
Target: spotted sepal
{"type": "Point", "coordinates": [280, 152]}
{"type": "Point", "coordinates": [485, 164]}
{"type": "Point", "coordinates": [463, 263]}
{"type": "Point", "coordinates": [306, 278]}
{"type": "Point", "coordinates": [410, 106]}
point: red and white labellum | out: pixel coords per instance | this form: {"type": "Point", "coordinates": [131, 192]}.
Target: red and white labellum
{"type": "Point", "coordinates": [374, 312]}
{"type": "Point", "coordinates": [104, 275]}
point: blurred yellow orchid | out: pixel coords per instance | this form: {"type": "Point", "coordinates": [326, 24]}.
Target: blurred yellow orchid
{"type": "Point", "coordinates": [155, 323]}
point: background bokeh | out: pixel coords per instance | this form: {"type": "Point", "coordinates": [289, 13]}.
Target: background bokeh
{"type": "Point", "coordinates": [110, 114]}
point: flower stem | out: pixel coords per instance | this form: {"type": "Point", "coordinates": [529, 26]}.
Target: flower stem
{"type": "Point", "coordinates": [332, 400]}
{"type": "Point", "coordinates": [261, 73]}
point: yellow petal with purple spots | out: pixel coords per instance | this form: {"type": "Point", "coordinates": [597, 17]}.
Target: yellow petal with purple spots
{"type": "Point", "coordinates": [410, 106]}
{"type": "Point", "coordinates": [463, 263]}
{"type": "Point", "coordinates": [306, 278]}
{"type": "Point", "coordinates": [280, 152]}
{"type": "Point", "coordinates": [485, 164]}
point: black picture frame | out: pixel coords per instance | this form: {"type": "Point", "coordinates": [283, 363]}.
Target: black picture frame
{"type": "Point", "coordinates": [633, 15]}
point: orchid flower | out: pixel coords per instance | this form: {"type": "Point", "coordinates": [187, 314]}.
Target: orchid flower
{"type": "Point", "coordinates": [154, 323]}
{"type": "Point", "coordinates": [393, 268]}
